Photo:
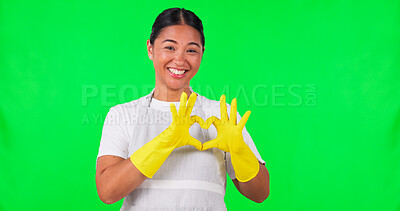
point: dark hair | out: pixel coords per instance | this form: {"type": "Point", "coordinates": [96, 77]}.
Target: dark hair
{"type": "Point", "coordinates": [176, 16]}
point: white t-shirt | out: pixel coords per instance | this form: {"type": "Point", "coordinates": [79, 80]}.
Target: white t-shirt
{"type": "Point", "coordinates": [198, 182]}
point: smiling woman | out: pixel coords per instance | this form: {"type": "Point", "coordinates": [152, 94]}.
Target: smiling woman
{"type": "Point", "coordinates": [167, 162]}
{"type": "Point", "coordinates": [176, 56]}
{"type": "Point", "coordinates": [176, 46]}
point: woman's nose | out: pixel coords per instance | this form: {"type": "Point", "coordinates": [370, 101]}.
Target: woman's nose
{"type": "Point", "coordinates": [179, 58]}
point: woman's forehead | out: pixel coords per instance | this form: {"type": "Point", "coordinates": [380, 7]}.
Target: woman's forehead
{"type": "Point", "coordinates": [180, 34]}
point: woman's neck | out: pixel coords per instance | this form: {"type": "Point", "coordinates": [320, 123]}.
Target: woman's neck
{"type": "Point", "coordinates": [170, 95]}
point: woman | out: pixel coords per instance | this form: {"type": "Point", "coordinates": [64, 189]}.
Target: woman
{"type": "Point", "coordinates": [154, 156]}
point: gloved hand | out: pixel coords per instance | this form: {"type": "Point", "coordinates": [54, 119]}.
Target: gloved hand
{"type": "Point", "coordinates": [149, 158]}
{"type": "Point", "coordinates": [230, 139]}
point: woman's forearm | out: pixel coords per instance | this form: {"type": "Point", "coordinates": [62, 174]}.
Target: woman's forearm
{"type": "Point", "coordinates": [117, 180]}
{"type": "Point", "coordinates": [257, 189]}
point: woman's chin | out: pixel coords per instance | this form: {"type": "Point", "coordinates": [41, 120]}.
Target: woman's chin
{"type": "Point", "coordinates": [176, 85]}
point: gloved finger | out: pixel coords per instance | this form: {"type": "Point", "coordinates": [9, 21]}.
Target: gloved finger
{"type": "Point", "coordinates": [182, 106]}
{"type": "Point", "coordinates": [224, 113]}
{"type": "Point", "coordinates": [212, 120]}
{"type": "Point", "coordinates": [196, 143]}
{"type": "Point", "coordinates": [195, 118]}
{"type": "Point", "coordinates": [244, 120]}
{"type": "Point", "coordinates": [191, 102]}
{"type": "Point", "coordinates": [232, 117]}
{"type": "Point", "coordinates": [210, 144]}
{"type": "Point", "coordinates": [173, 110]}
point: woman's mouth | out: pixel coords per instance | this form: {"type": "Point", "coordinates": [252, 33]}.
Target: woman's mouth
{"type": "Point", "coordinates": [176, 73]}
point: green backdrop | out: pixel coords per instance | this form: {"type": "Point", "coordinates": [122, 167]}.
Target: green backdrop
{"type": "Point", "coordinates": [322, 80]}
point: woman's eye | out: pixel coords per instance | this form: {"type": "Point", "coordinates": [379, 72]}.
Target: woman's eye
{"type": "Point", "coordinates": [192, 51]}
{"type": "Point", "coordinates": [169, 48]}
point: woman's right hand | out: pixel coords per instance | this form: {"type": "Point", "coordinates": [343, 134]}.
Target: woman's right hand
{"type": "Point", "coordinates": [116, 177]}
{"type": "Point", "coordinates": [149, 158]}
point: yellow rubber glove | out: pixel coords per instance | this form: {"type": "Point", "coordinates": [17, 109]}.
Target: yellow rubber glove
{"type": "Point", "coordinates": [149, 158]}
{"type": "Point", "coordinates": [230, 139]}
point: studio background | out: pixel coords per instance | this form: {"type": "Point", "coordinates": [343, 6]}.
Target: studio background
{"type": "Point", "coordinates": [320, 77]}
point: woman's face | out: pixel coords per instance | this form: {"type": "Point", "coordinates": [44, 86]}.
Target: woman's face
{"type": "Point", "coordinates": [176, 55]}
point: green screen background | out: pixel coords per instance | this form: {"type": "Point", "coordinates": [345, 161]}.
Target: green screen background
{"type": "Point", "coordinates": [321, 79]}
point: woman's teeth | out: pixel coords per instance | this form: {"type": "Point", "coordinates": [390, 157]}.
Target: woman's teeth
{"type": "Point", "coordinates": [176, 72]}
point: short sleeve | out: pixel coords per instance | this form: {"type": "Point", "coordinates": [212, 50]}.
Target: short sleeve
{"type": "Point", "coordinates": [114, 138]}
{"type": "Point", "coordinates": [249, 141]}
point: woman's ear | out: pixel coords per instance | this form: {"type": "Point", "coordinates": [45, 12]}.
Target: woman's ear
{"type": "Point", "coordinates": [150, 50]}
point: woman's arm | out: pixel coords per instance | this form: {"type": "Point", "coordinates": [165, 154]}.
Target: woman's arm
{"type": "Point", "coordinates": [116, 177]}
{"type": "Point", "coordinates": [256, 189]}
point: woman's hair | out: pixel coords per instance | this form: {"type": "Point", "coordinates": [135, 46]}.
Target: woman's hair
{"type": "Point", "coordinates": [176, 16]}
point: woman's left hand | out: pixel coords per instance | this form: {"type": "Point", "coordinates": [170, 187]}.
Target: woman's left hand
{"type": "Point", "coordinates": [230, 139]}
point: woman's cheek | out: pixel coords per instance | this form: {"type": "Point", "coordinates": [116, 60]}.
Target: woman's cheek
{"type": "Point", "coordinates": [196, 62]}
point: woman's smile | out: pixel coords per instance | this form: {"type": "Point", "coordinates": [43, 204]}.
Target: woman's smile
{"type": "Point", "coordinates": [176, 73]}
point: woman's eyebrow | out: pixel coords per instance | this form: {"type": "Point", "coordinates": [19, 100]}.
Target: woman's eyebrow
{"type": "Point", "coordinates": [191, 43]}
{"type": "Point", "coordinates": [194, 43]}
{"type": "Point", "coordinates": [168, 40]}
